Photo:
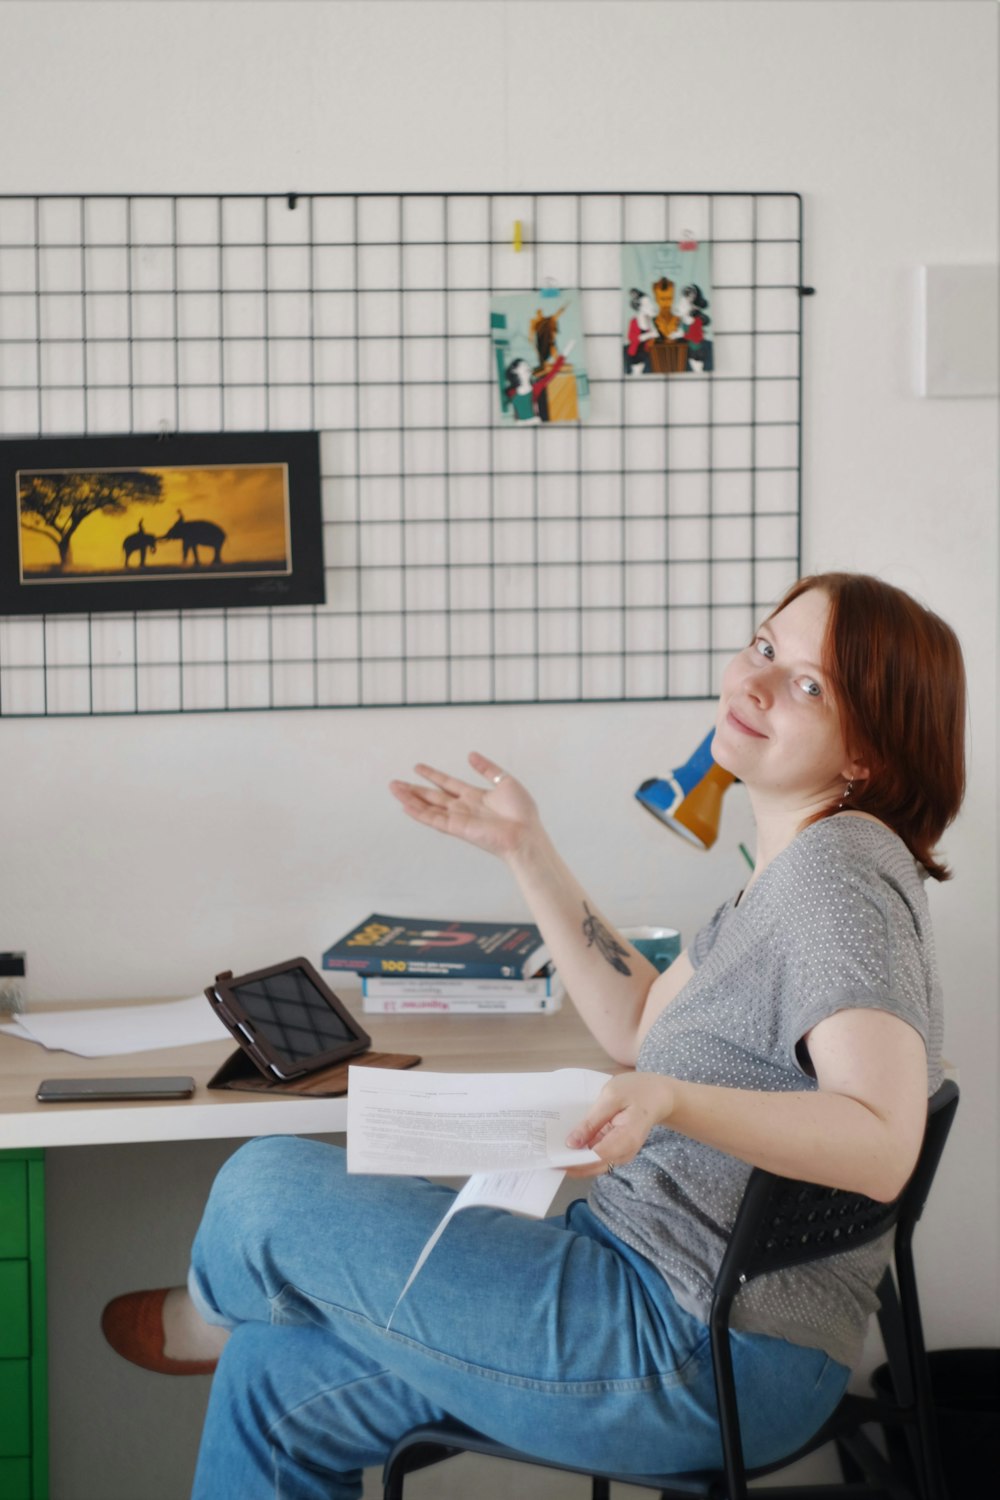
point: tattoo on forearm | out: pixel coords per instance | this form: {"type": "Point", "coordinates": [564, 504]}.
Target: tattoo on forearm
{"type": "Point", "coordinates": [595, 931]}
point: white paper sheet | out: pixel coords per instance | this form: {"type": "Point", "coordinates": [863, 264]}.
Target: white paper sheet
{"type": "Point", "coordinates": [508, 1130]}
{"type": "Point", "coordinates": [108, 1031]}
{"type": "Point", "coordinates": [453, 1124]}
{"type": "Point", "coordinates": [528, 1193]}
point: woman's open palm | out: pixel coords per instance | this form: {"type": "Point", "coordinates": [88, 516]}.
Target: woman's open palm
{"type": "Point", "coordinates": [496, 818]}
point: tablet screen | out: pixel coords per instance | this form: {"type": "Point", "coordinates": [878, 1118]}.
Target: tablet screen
{"type": "Point", "coordinates": [293, 1015]}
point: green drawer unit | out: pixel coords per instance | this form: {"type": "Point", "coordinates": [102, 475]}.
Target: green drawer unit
{"type": "Point", "coordinates": [24, 1454]}
{"type": "Point", "coordinates": [15, 1478]}
{"type": "Point", "coordinates": [15, 1404]}
{"type": "Point", "coordinates": [15, 1320]}
{"type": "Point", "coordinates": [13, 1207]}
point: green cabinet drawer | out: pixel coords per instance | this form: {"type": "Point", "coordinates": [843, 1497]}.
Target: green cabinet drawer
{"type": "Point", "coordinates": [23, 1371]}
{"type": "Point", "coordinates": [15, 1332]}
{"type": "Point", "coordinates": [15, 1408]}
{"type": "Point", "coordinates": [13, 1209]}
{"type": "Point", "coordinates": [15, 1479]}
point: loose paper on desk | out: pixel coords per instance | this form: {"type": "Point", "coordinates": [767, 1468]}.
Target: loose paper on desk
{"type": "Point", "coordinates": [111, 1030]}
{"type": "Point", "coordinates": [508, 1130]}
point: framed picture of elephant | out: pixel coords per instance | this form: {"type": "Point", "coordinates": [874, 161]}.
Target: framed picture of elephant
{"type": "Point", "coordinates": [189, 521]}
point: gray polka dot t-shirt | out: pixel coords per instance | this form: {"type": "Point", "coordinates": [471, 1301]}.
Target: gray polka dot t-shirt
{"type": "Point", "coordinates": [838, 920]}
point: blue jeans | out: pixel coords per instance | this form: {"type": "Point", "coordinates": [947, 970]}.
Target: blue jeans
{"type": "Point", "coordinates": [550, 1335]}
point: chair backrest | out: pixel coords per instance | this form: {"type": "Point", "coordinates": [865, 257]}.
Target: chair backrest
{"type": "Point", "coordinates": [780, 1223]}
{"type": "Point", "coordinates": [940, 1114]}
{"type": "Point", "coordinates": [784, 1223]}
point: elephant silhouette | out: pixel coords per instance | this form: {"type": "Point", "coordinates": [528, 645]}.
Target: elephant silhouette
{"type": "Point", "coordinates": [195, 534]}
{"type": "Point", "coordinates": [140, 541]}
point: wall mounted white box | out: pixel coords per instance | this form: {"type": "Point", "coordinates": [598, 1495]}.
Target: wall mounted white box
{"type": "Point", "coordinates": [958, 331]}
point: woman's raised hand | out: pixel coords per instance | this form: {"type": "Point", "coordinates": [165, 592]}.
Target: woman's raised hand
{"type": "Point", "coordinates": [498, 817]}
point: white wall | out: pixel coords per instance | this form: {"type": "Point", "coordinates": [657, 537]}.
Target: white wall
{"type": "Point", "coordinates": [140, 857]}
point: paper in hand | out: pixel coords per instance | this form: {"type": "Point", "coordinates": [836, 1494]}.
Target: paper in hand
{"type": "Point", "coordinates": [453, 1124]}
{"type": "Point", "coordinates": [507, 1130]}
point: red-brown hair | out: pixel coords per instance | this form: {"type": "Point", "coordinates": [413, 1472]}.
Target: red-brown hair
{"type": "Point", "coordinates": [898, 677]}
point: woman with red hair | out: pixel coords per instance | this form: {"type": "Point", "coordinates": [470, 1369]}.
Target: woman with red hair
{"type": "Point", "coordinates": [800, 1032]}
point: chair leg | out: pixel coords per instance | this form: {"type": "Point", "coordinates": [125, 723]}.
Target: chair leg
{"type": "Point", "coordinates": [600, 1488]}
{"type": "Point", "coordinates": [871, 1468]}
{"type": "Point", "coordinates": [852, 1471]}
{"type": "Point", "coordinates": [933, 1485]}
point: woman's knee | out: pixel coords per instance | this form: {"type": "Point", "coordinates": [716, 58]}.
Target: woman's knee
{"type": "Point", "coordinates": [267, 1177]}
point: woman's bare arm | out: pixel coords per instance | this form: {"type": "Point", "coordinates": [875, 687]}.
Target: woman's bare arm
{"type": "Point", "coordinates": [861, 1130]}
{"type": "Point", "coordinates": [609, 981]}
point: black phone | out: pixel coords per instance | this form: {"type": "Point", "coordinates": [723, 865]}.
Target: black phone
{"type": "Point", "coordinates": [83, 1090]}
{"type": "Point", "coordinates": [286, 1019]}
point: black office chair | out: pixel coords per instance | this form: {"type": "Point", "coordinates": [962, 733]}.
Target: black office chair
{"type": "Point", "coordinates": [783, 1223]}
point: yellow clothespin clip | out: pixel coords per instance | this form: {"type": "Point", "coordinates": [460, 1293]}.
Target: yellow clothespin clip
{"type": "Point", "coordinates": [517, 234]}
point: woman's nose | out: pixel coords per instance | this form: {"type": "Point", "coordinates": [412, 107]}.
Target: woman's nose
{"type": "Point", "coordinates": [758, 683]}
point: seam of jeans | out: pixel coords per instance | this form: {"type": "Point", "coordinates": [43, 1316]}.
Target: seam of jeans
{"type": "Point", "coordinates": [322, 1394]}
{"type": "Point", "coordinates": [660, 1380]}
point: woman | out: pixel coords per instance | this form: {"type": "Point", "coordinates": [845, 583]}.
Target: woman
{"type": "Point", "coordinates": [800, 1032]}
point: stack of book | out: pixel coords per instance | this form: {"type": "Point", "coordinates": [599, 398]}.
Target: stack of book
{"type": "Point", "coordinates": [426, 964]}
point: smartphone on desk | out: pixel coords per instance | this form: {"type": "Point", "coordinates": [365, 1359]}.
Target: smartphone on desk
{"type": "Point", "coordinates": [84, 1090]}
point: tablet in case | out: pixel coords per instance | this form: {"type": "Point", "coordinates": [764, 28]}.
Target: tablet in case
{"type": "Point", "coordinates": [295, 1036]}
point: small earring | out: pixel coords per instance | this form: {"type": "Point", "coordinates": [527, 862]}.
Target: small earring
{"type": "Point", "coordinates": [848, 789]}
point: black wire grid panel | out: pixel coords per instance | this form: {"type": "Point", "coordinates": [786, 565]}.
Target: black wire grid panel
{"type": "Point", "coordinates": [624, 558]}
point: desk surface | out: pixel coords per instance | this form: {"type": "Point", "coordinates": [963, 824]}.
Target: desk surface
{"type": "Point", "coordinates": [447, 1044]}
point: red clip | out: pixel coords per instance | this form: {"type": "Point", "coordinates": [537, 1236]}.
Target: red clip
{"type": "Point", "coordinates": [687, 241]}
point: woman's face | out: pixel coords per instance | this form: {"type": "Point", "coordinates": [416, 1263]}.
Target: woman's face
{"type": "Point", "coordinates": [778, 727]}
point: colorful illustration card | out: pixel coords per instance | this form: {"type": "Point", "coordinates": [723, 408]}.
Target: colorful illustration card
{"type": "Point", "coordinates": [539, 358]}
{"type": "Point", "coordinates": [666, 302]}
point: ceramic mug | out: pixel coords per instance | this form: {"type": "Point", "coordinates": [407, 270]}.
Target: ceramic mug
{"type": "Point", "coordinates": [661, 945]}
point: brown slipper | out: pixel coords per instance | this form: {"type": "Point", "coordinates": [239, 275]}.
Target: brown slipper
{"type": "Point", "coordinates": [133, 1326]}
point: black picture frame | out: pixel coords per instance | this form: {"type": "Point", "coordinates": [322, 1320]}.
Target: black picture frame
{"type": "Point", "coordinates": [265, 484]}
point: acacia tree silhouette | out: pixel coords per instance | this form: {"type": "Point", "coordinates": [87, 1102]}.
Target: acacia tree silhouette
{"type": "Point", "coordinates": [55, 503]}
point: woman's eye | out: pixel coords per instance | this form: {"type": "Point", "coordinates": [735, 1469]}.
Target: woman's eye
{"type": "Point", "coordinates": [764, 647]}
{"type": "Point", "coordinates": [810, 687]}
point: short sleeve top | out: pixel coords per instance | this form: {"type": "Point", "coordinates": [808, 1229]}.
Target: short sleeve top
{"type": "Point", "coordinates": [838, 920]}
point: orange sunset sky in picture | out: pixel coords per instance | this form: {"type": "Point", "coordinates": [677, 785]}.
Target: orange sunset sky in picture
{"type": "Point", "coordinates": [249, 502]}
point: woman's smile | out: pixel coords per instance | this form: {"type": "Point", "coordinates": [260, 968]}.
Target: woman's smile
{"type": "Point", "coordinates": [741, 724]}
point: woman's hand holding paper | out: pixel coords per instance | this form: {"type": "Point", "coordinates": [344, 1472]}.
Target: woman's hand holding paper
{"type": "Point", "coordinates": [616, 1127]}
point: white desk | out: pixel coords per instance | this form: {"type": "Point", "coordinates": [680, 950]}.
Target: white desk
{"type": "Point", "coordinates": [518, 1043]}
{"type": "Point", "coordinates": [447, 1044]}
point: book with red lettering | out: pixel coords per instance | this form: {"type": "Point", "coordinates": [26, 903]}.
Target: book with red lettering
{"type": "Point", "coordinates": [457, 995]}
{"type": "Point", "coordinates": [430, 946]}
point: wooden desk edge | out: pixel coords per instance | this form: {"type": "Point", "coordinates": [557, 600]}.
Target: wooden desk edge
{"type": "Point", "coordinates": [447, 1044]}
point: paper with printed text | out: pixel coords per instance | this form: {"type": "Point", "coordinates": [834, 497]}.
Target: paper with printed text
{"type": "Point", "coordinates": [507, 1131]}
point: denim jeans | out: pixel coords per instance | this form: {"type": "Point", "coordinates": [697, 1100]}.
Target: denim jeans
{"type": "Point", "coordinates": [550, 1335]}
